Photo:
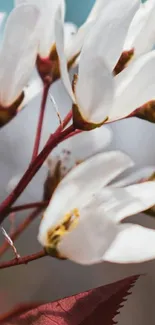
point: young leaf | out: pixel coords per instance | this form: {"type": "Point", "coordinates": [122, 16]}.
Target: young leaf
{"type": "Point", "coordinates": [98, 306]}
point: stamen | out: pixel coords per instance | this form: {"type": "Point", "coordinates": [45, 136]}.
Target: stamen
{"type": "Point", "coordinates": [55, 234]}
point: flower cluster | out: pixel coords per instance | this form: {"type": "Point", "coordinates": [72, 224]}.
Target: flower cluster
{"type": "Point", "coordinates": [83, 220]}
{"type": "Point", "coordinates": [114, 59]}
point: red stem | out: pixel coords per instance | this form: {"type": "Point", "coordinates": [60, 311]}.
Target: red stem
{"type": "Point", "coordinates": [72, 134]}
{"type": "Point", "coordinates": [23, 260]}
{"type": "Point", "coordinates": [35, 165]}
{"type": "Point", "coordinates": [28, 206]}
{"type": "Point", "coordinates": [15, 234]}
{"type": "Point", "coordinates": [40, 121]}
{"type": "Point", "coordinates": [67, 119]}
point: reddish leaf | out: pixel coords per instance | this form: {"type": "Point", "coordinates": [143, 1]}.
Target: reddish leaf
{"type": "Point", "coordinates": [98, 306]}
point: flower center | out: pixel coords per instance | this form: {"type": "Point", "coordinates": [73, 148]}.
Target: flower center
{"type": "Point", "coordinates": [55, 234]}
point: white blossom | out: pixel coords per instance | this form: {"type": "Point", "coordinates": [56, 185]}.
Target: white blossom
{"type": "Point", "coordinates": [134, 87]}
{"type": "Point", "coordinates": [74, 37]}
{"type": "Point", "coordinates": [94, 90]}
{"type": "Point", "coordinates": [47, 9]}
{"type": "Point", "coordinates": [141, 34]}
{"type": "Point", "coordinates": [99, 94]}
{"type": "Point", "coordinates": [18, 52]}
{"type": "Point", "coordinates": [86, 227]}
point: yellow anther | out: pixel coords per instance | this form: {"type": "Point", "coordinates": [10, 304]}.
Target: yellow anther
{"type": "Point", "coordinates": [68, 223]}
{"type": "Point", "coordinates": [76, 213]}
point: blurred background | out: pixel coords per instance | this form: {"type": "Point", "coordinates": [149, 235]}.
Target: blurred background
{"type": "Point", "coordinates": [49, 279]}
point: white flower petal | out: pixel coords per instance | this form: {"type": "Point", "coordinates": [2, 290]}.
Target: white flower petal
{"type": "Point", "coordinates": [59, 35]}
{"type": "Point", "coordinates": [97, 230]}
{"type": "Point", "coordinates": [94, 88]}
{"type": "Point", "coordinates": [75, 45]}
{"type": "Point", "coordinates": [133, 244]}
{"type": "Point", "coordinates": [97, 8]}
{"type": "Point", "coordinates": [86, 144]}
{"type": "Point", "coordinates": [91, 238]}
{"type": "Point", "coordinates": [141, 34]}
{"type": "Point", "coordinates": [18, 53]}
{"type": "Point", "coordinates": [79, 184]}
{"type": "Point", "coordinates": [48, 10]}
{"type": "Point", "coordinates": [107, 37]}
{"type": "Point", "coordinates": [134, 86]}
{"type": "Point", "coordinates": [34, 88]}
{"type": "Point", "coordinates": [70, 31]}
{"type": "Point", "coordinates": [120, 203]}
{"type": "Point", "coordinates": [48, 32]}
{"type": "Point", "coordinates": [136, 176]}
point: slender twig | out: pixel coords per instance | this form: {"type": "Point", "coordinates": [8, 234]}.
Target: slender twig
{"type": "Point", "coordinates": [65, 122]}
{"type": "Point", "coordinates": [40, 121]}
{"type": "Point", "coordinates": [72, 134]}
{"type": "Point", "coordinates": [67, 119]}
{"type": "Point", "coordinates": [20, 229]}
{"type": "Point", "coordinates": [23, 260]}
{"type": "Point", "coordinates": [32, 205]}
{"type": "Point", "coordinates": [53, 141]}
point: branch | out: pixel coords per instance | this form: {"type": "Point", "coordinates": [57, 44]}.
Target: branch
{"type": "Point", "coordinates": [32, 205]}
{"type": "Point", "coordinates": [40, 121]}
{"type": "Point", "coordinates": [23, 260]}
{"type": "Point", "coordinates": [72, 134]}
{"type": "Point", "coordinates": [67, 119]}
{"type": "Point", "coordinates": [20, 229]}
{"type": "Point", "coordinates": [35, 165]}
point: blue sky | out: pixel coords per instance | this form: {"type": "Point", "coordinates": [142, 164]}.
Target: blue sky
{"type": "Point", "coordinates": [77, 9]}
